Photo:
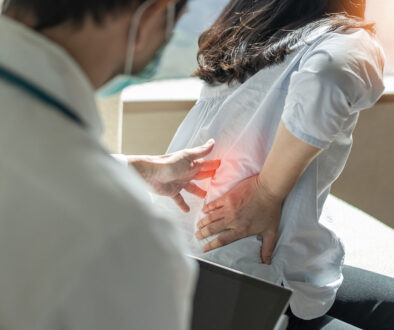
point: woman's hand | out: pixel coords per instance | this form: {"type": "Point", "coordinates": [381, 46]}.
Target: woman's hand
{"type": "Point", "coordinates": [254, 206]}
{"type": "Point", "coordinates": [170, 174]}
{"type": "Point", "coordinates": [247, 210]}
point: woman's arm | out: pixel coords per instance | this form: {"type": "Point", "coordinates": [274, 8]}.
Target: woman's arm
{"type": "Point", "coordinates": [285, 163]}
{"type": "Point", "coordinates": [254, 206]}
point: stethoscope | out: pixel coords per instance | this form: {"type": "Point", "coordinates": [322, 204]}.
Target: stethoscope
{"type": "Point", "coordinates": [39, 94]}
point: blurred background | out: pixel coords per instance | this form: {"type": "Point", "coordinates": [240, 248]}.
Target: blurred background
{"type": "Point", "coordinates": [381, 12]}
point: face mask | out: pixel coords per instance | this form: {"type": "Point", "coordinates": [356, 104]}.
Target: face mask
{"type": "Point", "coordinates": [120, 82]}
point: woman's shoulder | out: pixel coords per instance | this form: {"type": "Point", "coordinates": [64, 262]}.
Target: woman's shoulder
{"type": "Point", "coordinates": [352, 60]}
{"type": "Point", "coordinates": [348, 46]}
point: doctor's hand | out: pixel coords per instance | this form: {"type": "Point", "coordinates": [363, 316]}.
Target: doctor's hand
{"type": "Point", "coordinates": [244, 211]}
{"type": "Point", "coordinates": [172, 173]}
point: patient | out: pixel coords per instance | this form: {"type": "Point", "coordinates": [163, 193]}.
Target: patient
{"type": "Point", "coordinates": [285, 81]}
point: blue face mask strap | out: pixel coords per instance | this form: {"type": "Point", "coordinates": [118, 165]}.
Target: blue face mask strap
{"type": "Point", "coordinates": [133, 35]}
{"type": "Point", "coordinates": [39, 94]}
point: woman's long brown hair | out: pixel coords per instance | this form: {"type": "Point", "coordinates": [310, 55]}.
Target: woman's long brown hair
{"type": "Point", "coordinates": [254, 34]}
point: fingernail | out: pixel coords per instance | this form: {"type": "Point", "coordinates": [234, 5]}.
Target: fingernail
{"type": "Point", "coordinates": [198, 236]}
{"type": "Point", "coordinates": [211, 141]}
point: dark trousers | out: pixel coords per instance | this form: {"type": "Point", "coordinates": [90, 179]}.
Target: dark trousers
{"type": "Point", "coordinates": [364, 301]}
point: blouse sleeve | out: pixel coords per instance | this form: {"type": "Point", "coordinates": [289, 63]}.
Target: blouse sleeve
{"type": "Point", "coordinates": [339, 77]}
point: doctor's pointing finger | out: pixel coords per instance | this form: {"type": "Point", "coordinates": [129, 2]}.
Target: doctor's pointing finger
{"type": "Point", "coordinates": [172, 173]}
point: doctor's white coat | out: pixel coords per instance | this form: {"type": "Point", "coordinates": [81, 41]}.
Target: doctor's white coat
{"type": "Point", "coordinates": [80, 246]}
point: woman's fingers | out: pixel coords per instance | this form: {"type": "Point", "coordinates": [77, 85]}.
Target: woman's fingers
{"type": "Point", "coordinates": [204, 175]}
{"type": "Point", "coordinates": [178, 199]}
{"type": "Point", "coordinates": [223, 239]}
{"type": "Point", "coordinates": [216, 204]}
{"type": "Point", "coordinates": [195, 190]}
{"type": "Point", "coordinates": [212, 229]}
{"type": "Point", "coordinates": [210, 218]}
{"type": "Point", "coordinates": [268, 247]}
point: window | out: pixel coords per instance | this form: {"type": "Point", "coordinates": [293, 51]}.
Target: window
{"type": "Point", "coordinates": [180, 57]}
{"type": "Point", "coordinates": [381, 11]}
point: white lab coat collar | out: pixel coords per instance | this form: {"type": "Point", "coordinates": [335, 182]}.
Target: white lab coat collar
{"type": "Point", "coordinates": [48, 66]}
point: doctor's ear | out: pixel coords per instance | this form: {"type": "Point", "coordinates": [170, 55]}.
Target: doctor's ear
{"type": "Point", "coordinates": [152, 22]}
{"type": "Point", "coordinates": [151, 32]}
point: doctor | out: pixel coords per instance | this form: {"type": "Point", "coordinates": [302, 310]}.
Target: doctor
{"type": "Point", "coordinates": [80, 245]}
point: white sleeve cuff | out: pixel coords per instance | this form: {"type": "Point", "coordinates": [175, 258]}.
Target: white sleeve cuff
{"type": "Point", "coordinates": [121, 159]}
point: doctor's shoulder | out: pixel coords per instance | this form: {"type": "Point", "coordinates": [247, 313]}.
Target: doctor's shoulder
{"type": "Point", "coordinates": [123, 190]}
{"type": "Point", "coordinates": [135, 255]}
{"type": "Point", "coordinates": [116, 201]}
{"type": "Point", "coordinates": [100, 190]}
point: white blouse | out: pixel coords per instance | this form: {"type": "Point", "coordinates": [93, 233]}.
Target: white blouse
{"type": "Point", "coordinates": [317, 92]}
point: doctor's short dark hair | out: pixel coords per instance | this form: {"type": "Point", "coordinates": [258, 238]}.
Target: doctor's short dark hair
{"type": "Point", "coordinates": [251, 35]}
{"type": "Point", "coordinates": [49, 13]}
